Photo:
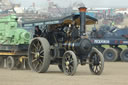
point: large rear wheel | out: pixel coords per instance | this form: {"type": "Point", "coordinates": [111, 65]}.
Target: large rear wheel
{"type": "Point", "coordinates": [39, 55]}
{"type": "Point", "coordinates": [96, 61]}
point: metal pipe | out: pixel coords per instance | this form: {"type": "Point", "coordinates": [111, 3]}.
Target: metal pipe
{"type": "Point", "coordinates": [82, 11]}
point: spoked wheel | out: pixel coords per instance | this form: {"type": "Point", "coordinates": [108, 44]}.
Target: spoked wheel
{"type": "Point", "coordinates": [10, 62]}
{"type": "Point", "coordinates": [69, 63]}
{"type": "Point", "coordinates": [60, 67]}
{"type": "Point", "coordinates": [39, 55]}
{"type": "Point", "coordinates": [96, 60]}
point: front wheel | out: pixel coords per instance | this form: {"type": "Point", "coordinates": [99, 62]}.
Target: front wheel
{"type": "Point", "coordinates": [96, 60]}
{"type": "Point", "coordinates": [69, 63]}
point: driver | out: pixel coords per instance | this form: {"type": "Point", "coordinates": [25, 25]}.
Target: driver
{"type": "Point", "coordinates": [38, 32]}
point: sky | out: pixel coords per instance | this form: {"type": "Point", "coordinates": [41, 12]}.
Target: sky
{"type": "Point", "coordinates": [65, 3]}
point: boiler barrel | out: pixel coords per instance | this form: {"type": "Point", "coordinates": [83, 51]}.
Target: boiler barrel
{"type": "Point", "coordinates": [79, 46]}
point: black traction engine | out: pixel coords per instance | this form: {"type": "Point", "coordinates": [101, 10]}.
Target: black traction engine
{"type": "Point", "coordinates": [65, 43]}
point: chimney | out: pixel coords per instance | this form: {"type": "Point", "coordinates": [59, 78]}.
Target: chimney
{"type": "Point", "coordinates": [82, 11]}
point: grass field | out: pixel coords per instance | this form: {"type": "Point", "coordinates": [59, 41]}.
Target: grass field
{"type": "Point", "coordinates": [121, 46]}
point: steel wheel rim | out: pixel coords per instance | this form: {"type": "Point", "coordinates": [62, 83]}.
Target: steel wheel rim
{"type": "Point", "coordinates": [37, 55]}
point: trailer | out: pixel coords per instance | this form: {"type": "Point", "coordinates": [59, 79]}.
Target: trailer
{"type": "Point", "coordinates": [14, 42]}
{"type": "Point", "coordinates": [116, 39]}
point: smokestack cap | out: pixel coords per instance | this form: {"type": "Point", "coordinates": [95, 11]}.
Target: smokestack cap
{"type": "Point", "coordinates": [82, 9]}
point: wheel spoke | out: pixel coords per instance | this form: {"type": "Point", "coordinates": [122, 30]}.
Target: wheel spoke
{"type": "Point", "coordinates": [42, 51]}
{"type": "Point", "coordinates": [37, 65]}
{"type": "Point", "coordinates": [35, 46]}
{"type": "Point", "coordinates": [34, 60]}
{"type": "Point", "coordinates": [33, 53]}
{"type": "Point", "coordinates": [99, 67]}
{"type": "Point", "coordinates": [41, 61]}
{"type": "Point", "coordinates": [96, 69]}
{"type": "Point", "coordinates": [70, 58]}
{"type": "Point", "coordinates": [71, 61]}
{"type": "Point", "coordinates": [66, 58]}
{"type": "Point", "coordinates": [67, 68]}
{"type": "Point", "coordinates": [71, 67]}
{"type": "Point", "coordinates": [38, 44]}
{"type": "Point", "coordinates": [100, 64]}
{"type": "Point", "coordinates": [41, 56]}
{"type": "Point", "coordinates": [40, 48]}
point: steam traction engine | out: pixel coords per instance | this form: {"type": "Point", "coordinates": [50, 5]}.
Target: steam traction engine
{"type": "Point", "coordinates": [65, 44]}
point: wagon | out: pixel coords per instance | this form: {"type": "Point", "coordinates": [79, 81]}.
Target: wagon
{"type": "Point", "coordinates": [64, 43]}
{"type": "Point", "coordinates": [112, 42]}
{"type": "Point", "coordinates": [13, 43]}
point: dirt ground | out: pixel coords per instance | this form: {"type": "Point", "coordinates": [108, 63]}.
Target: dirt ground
{"type": "Point", "coordinates": [115, 73]}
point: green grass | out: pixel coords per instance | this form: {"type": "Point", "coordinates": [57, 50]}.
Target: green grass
{"type": "Point", "coordinates": [121, 46]}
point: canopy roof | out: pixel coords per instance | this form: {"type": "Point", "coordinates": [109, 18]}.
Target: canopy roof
{"type": "Point", "coordinates": [63, 20]}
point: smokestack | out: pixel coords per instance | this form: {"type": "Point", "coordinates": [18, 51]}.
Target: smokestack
{"type": "Point", "coordinates": [82, 11]}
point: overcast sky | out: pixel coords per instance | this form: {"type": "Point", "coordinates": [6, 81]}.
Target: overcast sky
{"type": "Point", "coordinates": [88, 3]}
